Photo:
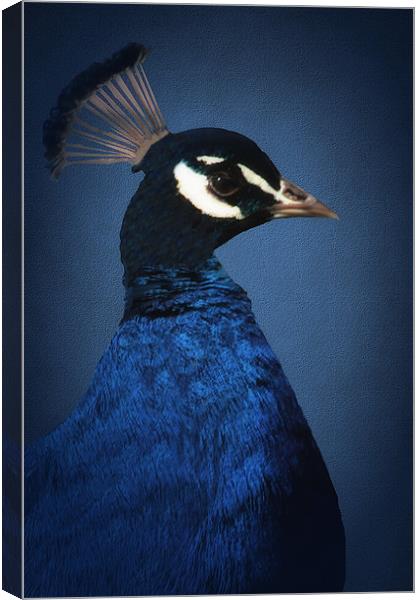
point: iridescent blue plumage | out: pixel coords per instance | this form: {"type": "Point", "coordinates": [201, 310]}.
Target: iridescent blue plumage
{"type": "Point", "coordinates": [188, 467]}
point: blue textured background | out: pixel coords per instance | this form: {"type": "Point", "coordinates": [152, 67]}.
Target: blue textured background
{"type": "Point", "coordinates": [327, 94]}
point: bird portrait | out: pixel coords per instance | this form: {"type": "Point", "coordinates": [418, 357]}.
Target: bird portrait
{"type": "Point", "coordinates": [188, 466]}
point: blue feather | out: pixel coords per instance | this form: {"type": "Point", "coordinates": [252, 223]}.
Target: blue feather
{"type": "Point", "coordinates": [188, 467]}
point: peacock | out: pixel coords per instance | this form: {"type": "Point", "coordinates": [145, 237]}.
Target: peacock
{"type": "Point", "coordinates": [188, 466]}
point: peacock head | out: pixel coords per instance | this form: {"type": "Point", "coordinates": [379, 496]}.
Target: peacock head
{"type": "Point", "coordinates": [201, 187]}
{"type": "Point", "coordinates": [225, 175]}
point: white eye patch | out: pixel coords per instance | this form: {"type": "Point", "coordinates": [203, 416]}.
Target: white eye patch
{"type": "Point", "coordinates": [255, 179]}
{"type": "Point", "coordinates": [194, 187]}
{"type": "Point", "coordinates": [210, 160]}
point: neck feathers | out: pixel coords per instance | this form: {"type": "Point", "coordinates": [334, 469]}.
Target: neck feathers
{"type": "Point", "coordinates": [160, 229]}
{"type": "Point", "coordinates": [166, 291]}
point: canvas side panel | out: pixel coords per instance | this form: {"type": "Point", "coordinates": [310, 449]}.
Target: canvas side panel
{"type": "Point", "coordinates": [12, 300]}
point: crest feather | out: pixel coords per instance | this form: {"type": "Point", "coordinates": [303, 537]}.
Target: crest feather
{"type": "Point", "coordinates": [106, 114]}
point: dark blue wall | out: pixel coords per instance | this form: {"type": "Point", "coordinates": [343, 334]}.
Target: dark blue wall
{"type": "Point", "coordinates": [327, 93]}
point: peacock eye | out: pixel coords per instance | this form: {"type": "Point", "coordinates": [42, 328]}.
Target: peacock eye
{"type": "Point", "coordinates": [223, 184]}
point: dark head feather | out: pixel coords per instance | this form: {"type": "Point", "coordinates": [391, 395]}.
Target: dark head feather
{"type": "Point", "coordinates": [81, 88]}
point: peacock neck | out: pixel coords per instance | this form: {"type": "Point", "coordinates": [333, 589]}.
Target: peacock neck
{"type": "Point", "coordinates": [162, 291]}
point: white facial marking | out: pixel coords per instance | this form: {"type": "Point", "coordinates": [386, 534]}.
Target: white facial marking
{"type": "Point", "coordinates": [210, 160]}
{"type": "Point", "coordinates": [255, 179]}
{"type": "Point", "coordinates": [193, 186]}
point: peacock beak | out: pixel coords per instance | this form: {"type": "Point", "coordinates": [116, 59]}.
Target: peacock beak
{"type": "Point", "coordinates": [292, 201]}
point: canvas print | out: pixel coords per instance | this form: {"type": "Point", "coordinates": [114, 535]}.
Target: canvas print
{"type": "Point", "coordinates": [217, 390]}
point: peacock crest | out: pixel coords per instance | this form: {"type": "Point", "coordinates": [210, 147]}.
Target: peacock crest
{"type": "Point", "coordinates": [107, 114]}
